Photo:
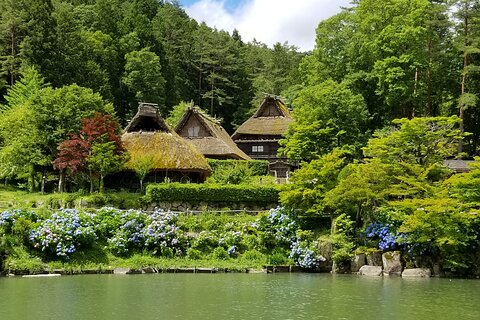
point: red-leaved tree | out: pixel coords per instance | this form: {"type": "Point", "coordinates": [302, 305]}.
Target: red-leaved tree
{"type": "Point", "coordinates": [73, 154]}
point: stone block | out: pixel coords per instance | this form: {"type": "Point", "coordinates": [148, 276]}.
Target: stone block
{"type": "Point", "coordinates": [373, 271]}
{"type": "Point", "coordinates": [357, 262]}
{"type": "Point", "coordinates": [392, 264]}
{"type": "Point", "coordinates": [374, 259]}
{"type": "Point", "coordinates": [417, 273]}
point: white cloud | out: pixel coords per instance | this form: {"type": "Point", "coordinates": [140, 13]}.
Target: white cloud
{"type": "Point", "coordinates": [269, 21]}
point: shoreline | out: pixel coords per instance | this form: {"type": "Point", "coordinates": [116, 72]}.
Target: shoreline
{"type": "Point", "coordinates": [203, 270]}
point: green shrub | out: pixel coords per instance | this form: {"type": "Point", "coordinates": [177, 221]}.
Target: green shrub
{"type": "Point", "coordinates": [219, 253]}
{"type": "Point", "coordinates": [277, 258]}
{"type": "Point", "coordinates": [256, 167]}
{"type": "Point", "coordinates": [205, 242]}
{"type": "Point", "coordinates": [25, 263]}
{"type": "Point", "coordinates": [194, 254]}
{"type": "Point", "coordinates": [211, 193]}
{"type": "Point", "coordinates": [254, 256]}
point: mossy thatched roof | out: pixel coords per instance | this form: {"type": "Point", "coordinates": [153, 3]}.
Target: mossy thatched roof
{"type": "Point", "coordinates": [147, 119]}
{"type": "Point", "coordinates": [148, 137]}
{"type": "Point", "coordinates": [166, 151]}
{"type": "Point", "coordinates": [218, 143]}
{"type": "Point", "coordinates": [264, 121]}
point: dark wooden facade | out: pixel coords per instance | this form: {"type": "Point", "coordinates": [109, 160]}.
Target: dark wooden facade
{"type": "Point", "coordinates": [259, 136]}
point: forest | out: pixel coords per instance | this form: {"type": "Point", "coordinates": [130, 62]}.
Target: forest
{"type": "Point", "coordinates": [375, 62]}
{"type": "Point", "coordinates": [389, 91]}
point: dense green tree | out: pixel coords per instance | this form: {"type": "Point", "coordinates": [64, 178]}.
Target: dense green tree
{"type": "Point", "coordinates": [20, 154]}
{"type": "Point", "coordinates": [468, 14]}
{"type": "Point", "coordinates": [309, 184]}
{"type": "Point", "coordinates": [422, 141]}
{"type": "Point", "coordinates": [173, 28]}
{"type": "Point", "coordinates": [143, 78]}
{"type": "Point", "coordinates": [327, 116]}
{"type": "Point", "coordinates": [13, 29]}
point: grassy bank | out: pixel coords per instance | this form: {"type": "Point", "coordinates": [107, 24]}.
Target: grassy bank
{"type": "Point", "coordinates": [15, 198]}
{"type": "Point", "coordinates": [109, 238]}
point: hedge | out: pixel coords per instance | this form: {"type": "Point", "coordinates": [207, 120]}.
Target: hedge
{"type": "Point", "coordinates": [258, 167]}
{"type": "Point", "coordinates": [165, 192]}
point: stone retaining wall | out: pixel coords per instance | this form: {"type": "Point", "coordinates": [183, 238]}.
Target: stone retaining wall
{"type": "Point", "coordinates": [183, 206]}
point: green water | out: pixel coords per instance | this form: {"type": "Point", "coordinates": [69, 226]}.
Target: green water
{"type": "Point", "coordinates": [237, 296]}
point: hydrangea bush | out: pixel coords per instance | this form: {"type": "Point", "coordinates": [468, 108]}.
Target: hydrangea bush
{"type": "Point", "coordinates": [387, 239]}
{"type": "Point", "coordinates": [162, 235]}
{"type": "Point", "coordinates": [305, 255]}
{"type": "Point", "coordinates": [63, 233]}
{"type": "Point", "coordinates": [129, 236]}
{"type": "Point", "coordinates": [9, 217]}
{"type": "Point", "coordinates": [278, 224]}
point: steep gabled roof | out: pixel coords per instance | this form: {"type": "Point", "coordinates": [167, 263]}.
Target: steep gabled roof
{"type": "Point", "coordinates": [147, 137]}
{"type": "Point", "coordinates": [271, 119]}
{"type": "Point", "coordinates": [218, 143]}
{"type": "Point", "coordinates": [147, 119]}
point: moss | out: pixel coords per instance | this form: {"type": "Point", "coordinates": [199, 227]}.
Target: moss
{"type": "Point", "coordinates": [166, 150]}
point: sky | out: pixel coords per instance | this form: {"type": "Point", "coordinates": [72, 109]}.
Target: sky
{"type": "Point", "coordinates": [268, 21]}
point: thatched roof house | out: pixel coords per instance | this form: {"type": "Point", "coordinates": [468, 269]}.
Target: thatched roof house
{"type": "Point", "coordinates": [258, 136]}
{"type": "Point", "coordinates": [270, 121]}
{"type": "Point", "coordinates": [208, 136]}
{"type": "Point", "coordinates": [148, 139]}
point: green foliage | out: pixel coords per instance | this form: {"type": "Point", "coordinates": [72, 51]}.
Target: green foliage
{"type": "Point", "coordinates": [327, 116]}
{"type": "Point", "coordinates": [211, 192]}
{"type": "Point", "coordinates": [237, 173]}
{"type": "Point", "coordinates": [177, 112]}
{"type": "Point", "coordinates": [258, 167]}
{"type": "Point", "coordinates": [422, 141]}
{"type": "Point", "coordinates": [310, 183]}
{"type": "Point", "coordinates": [440, 227]}
{"type": "Point", "coordinates": [143, 77]}
{"type": "Point", "coordinates": [466, 186]}
{"type": "Point", "coordinates": [142, 166]}
{"type": "Point", "coordinates": [105, 160]}
{"type": "Point", "coordinates": [220, 253]}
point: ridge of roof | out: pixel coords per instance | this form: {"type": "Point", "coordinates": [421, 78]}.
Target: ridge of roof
{"type": "Point", "coordinates": [216, 131]}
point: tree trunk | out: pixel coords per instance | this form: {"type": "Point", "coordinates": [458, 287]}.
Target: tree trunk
{"type": "Point", "coordinates": [61, 181]}
{"type": "Point", "coordinates": [91, 181]}
{"type": "Point", "coordinates": [101, 183]}
{"type": "Point", "coordinates": [42, 188]}
{"type": "Point", "coordinates": [32, 178]}
{"type": "Point", "coordinates": [12, 71]}
{"type": "Point", "coordinates": [359, 215]}
{"type": "Point", "coordinates": [141, 185]}
{"type": "Point", "coordinates": [464, 79]}
{"type": "Point", "coordinates": [211, 101]}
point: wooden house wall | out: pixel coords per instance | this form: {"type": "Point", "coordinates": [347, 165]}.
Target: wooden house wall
{"type": "Point", "coordinates": [194, 122]}
{"type": "Point", "coordinates": [269, 149]}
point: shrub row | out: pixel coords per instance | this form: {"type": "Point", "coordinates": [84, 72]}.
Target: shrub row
{"type": "Point", "coordinates": [258, 167]}
{"type": "Point", "coordinates": [211, 193]}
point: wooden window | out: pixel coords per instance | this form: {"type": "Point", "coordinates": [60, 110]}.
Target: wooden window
{"type": "Point", "coordinates": [193, 132]}
{"type": "Point", "coordinates": [257, 148]}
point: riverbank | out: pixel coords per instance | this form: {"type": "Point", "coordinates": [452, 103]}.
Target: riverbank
{"type": "Point", "coordinates": [88, 241]}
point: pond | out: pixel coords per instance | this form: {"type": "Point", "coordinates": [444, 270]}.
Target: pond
{"type": "Point", "coordinates": [237, 296]}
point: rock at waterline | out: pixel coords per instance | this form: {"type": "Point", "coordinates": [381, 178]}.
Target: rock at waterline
{"type": "Point", "coordinates": [417, 273]}
{"type": "Point", "coordinates": [392, 264]}
{"type": "Point", "coordinates": [374, 271]}
{"type": "Point", "coordinates": [357, 262]}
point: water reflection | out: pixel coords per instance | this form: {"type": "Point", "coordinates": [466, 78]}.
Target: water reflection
{"type": "Point", "coordinates": [237, 296]}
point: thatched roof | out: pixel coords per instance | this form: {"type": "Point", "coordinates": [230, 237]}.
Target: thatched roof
{"type": "Point", "coordinates": [147, 119]}
{"type": "Point", "coordinates": [458, 165]}
{"type": "Point", "coordinates": [271, 119]}
{"type": "Point", "coordinates": [148, 138]}
{"type": "Point", "coordinates": [214, 141]}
